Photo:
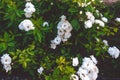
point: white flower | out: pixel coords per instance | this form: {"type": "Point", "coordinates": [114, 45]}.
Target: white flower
{"type": "Point", "coordinates": [57, 40]}
{"type": "Point", "coordinates": [117, 19]}
{"type": "Point", "coordinates": [98, 27]}
{"type": "Point", "coordinates": [67, 35]}
{"type": "Point", "coordinates": [26, 25]}
{"type": "Point", "coordinates": [51, 3]}
{"type": "Point", "coordinates": [88, 24]}
{"type": "Point", "coordinates": [40, 70]}
{"type": "Point", "coordinates": [63, 33]}
{"type": "Point", "coordinates": [80, 12]}
{"type": "Point", "coordinates": [97, 11]}
{"type": "Point", "coordinates": [7, 67]}
{"type": "Point", "coordinates": [88, 70]}
{"type": "Point", "coordinates": [75, 61]}
{"type": "Point", "coordinates": [53, 45]}
{"type": "Point", "coordinates": [89, 15]}
{"type": "Point", "coordinates": [29, 9]}
{"type": "Point", "coordinates": [104, 19]}
{"type": "Point", "coordinates": [105, 42]}
{"type": "Point", "coordinates": [74, 77]}
{"type": "Point", "coordinates": [101, 23]}
{"type": "Point", "coordinates": [114, 52]}
{"type": "Point", "coordinates": [60, 32]}
{"type": "Point", "coordinates": [45, 24]}
{"type": "Point", "coordinates": [82, 70]}
{"type": "Point", "coordinates": [6, 59]}
{"type": "Point", "coordinates": [28, 15]}
{"type": "Point", "coordinates": [65, 25]}
{"type": "Point", "coordinates": [63, 18]}
{"type": "Point", "coordinates": [29, 5]}
{"type": "Point", "coordinates": [64, 39]}
{"type": "Point", "coordinates": [93, 59]}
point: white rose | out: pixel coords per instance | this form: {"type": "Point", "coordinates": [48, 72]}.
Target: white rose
{"type": "Point", "coordinates": [6, 59]}
{"type": "Point", "coordinates": [114, 52]}
{"type": "Point", "coordinates": [7, 67]}
{"type": "Point", "coordinates": [26, 25]}
{"type": "Point", "coordinates": [88, 24]}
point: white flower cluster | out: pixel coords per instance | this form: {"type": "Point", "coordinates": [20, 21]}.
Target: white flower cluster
{"type": "Point", "coordinates": [6, 62]}
{"type": "Point", "coordinates": [64, 32]}
{"type": "Point", "coordinates": [88, 70]}
{"type": "Point", "coordinates": [27, 24]}
{"type": "Point", "coordinates": [114, 52]}
{"type": "Point", "coordinates": [91, 20]}
{"type": "Point", "coordinates": [40, 70]}
{"type": "Point", "coordinates": [29, 9]}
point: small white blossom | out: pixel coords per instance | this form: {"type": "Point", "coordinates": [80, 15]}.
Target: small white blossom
{"type": "Point", "coordinates": [88, 24]}
{"type": "Point", "coordinates": [67, 35]}
{"type": "Point", "coordinates": [6, 59]}
{"type": "Point", "coordinates": [89, 15]}
{"type": "Point", "coordinates": [26, 25]}
{"type": "Point", "coordinates": [7, 67]}
{"type": "Point", "coordinates": [40, 70]}
{"type": "Point", "coordinates": [75, 61]}
{"type": "Point", "coordinates": [6, 62]}
{"type": "Point", "coordinates": [98, 27]}
{"type": "Point", "coordinates": [60, 32]}
{"type": "Point", "coordinates": [29, 9]}
{"type": "Point", "coordinates": [114, 52]}
{"type": "Point", "coordinates": [80, 12]}
{"type": "Point", "coordinates": [101, 23]}
{"type": "Point", "coordinates": [53, 45]}
{"type": "Point", "coordinates": [63, 18]}
{"type": "Point", "coordinates": [45, 24]}
{"type": "Point", "coordinates": [51, 3]}
{"type": "Point", "coordinates": [104, 19]}
{"type": "Point", "coordinates": [93, 59]}
{"type": "Point", "coordinates": [105, 42]}
{"type": "Point", "coordinates": [74, 77]}
{"type": "Point", "coordinates": [57, 40]}
{"type": "Point", "coordinates": [117, 19]}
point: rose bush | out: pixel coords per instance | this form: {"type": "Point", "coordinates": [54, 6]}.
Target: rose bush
{"type": "Point", "coordinates": [50, 39]}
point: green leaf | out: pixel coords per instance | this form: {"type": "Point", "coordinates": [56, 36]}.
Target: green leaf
{"type": "Point", "coordinates": [75, 24]}
{"type": "Point", "coordinates": [72, 10]}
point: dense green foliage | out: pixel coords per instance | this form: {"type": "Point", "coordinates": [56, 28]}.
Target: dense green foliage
{"type": "Point", "coordinates": [30, 50]}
